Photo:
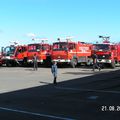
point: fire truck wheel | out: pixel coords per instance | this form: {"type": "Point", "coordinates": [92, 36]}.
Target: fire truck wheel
{"type": "Point", "coordinates": [24, 62]}
{"type": "Point", "coordinates": [8, 64]}
{"type": "Point", "coordinates": [73, 63]}
{"type": "Point", "coordinates": [48, 61]}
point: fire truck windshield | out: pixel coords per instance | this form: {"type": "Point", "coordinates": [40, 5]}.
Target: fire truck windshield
{"type": "Point", "coordinates": [9, 50]}
{"type": "Point", "coordinates": [34, 48]}
{"type": "Point", "coordinates": [59, 46]}
{"type": "Point", "coordinates": [101, 47]}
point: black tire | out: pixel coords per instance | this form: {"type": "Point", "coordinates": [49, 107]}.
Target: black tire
{"type": "Point", "coordinates": [25, 64]}
{"type": "Point", "coordinates": [8, 64]}
{"type": "Point", "coordinates": [48, 62]}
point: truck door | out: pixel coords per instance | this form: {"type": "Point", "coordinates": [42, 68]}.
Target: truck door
{"type": "Point", "coordinates": [72, 50]}
{"type": "Point", "coordinates": [20, 53]}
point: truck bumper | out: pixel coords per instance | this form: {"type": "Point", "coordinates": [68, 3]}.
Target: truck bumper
{"type": "Point", "coordinates": [104, 61]}
{"type": "Point", "coordinates": [31, 61]}
{"type": "Point", "coordinates": [4, 60]}
{"type": "Point", "coordinates": [61, 60]}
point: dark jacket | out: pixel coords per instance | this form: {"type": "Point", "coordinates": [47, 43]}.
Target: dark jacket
{"type": "Point", "coordinates": [94, 57]}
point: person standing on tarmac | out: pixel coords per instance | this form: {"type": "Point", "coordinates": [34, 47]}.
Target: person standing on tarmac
{"type": "Point", "coordinates": [35, 64]}
{"type": "Point", "coordinates": [95, 64]}
{"type": "Point", "coordinates": [54, 72]}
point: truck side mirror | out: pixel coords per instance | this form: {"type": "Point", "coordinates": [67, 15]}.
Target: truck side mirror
{"type": "Point", "coordinates": [2, 49]}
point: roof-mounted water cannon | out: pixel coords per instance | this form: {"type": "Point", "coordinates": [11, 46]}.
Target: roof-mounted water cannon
{"type": "Point", "coordinates": [13, 43]}
{"type": "Point", "coordinates": [33, 39]}
{"type": "Point", "coordinates": [97, 42]}
{"type": "Point", "coordinates": [58, 39]}
{"type": "Point", "coordinates": [106, 39]}
{"type": "Point", "coordinates": [69, 38]}
{"type": "Point", "coordinates": [42, 40]}
{"type": "Point", "coordinates": [61, 39]}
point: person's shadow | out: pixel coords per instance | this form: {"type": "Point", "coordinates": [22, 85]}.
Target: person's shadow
{"type": "Point", "coordinates": [47, 83]}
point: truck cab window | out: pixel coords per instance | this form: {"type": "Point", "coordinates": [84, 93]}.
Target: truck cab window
{"type": "Point", "coordinates": [71, 46]}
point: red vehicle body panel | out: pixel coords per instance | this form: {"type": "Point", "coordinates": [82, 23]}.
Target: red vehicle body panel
{"type": "Point", "coordinates": [65, 52]}
{"type": "Point", "coordinates": [43, 51]}
{"type": "Point", "coordinates": [14, 54]}
{"type": "Point", "coordinates": [110, 55]}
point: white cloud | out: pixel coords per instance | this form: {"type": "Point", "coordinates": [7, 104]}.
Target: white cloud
{"type": "Point", "coordinates": [31, 35]}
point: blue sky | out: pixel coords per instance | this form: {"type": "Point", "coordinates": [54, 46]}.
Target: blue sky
{"type": "Point", "coordinates": [82, 19]}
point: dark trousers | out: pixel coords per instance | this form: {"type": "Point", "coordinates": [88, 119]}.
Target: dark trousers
{"type": "Point", "coordinates": [96, 65]}
{"type": "Point", "coordinates": [55, 80]}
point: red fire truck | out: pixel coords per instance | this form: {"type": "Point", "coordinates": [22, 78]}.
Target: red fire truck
{"type": "Point", "coordinates": [42, 50]}
{"type": "Point", "coordinates": [14, 55]}
{"type": "Point", "coordinates": [71, 52]}
{"type": "Point", "coordinates": [107, 52]}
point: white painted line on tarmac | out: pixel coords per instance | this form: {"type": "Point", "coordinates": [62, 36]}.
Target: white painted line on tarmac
{"type": "Point", "coordinates": [35, 114]}
{"type": "Point", "coordinates": [87, 90]}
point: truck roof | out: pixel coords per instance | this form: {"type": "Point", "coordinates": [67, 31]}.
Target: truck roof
{"type": "Point", "coordinates": [38, 44]}
{"type": "Point", "coordinates": [63, 42]}
{"type": "Point", "coordinates": [104, 44]}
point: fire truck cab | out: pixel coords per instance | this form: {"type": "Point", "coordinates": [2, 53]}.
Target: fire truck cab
{"type": "Point", "coordinates": [71, 52]}
{"type": "Point", "coordinates": [108, 53]}
{"type": "Point", "coordinates": [13, 55]}
{"type": "Point", "coordinates": [42, 50]}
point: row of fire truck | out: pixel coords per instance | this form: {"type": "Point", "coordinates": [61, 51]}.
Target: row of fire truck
{"type": "Point", "coordinates": [68, 52]}
{"type": "Point", "coordinates": [23, 54]}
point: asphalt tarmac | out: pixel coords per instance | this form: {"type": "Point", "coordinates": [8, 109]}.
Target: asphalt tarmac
{"type": "Point", "coordinates": [80, 94]}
